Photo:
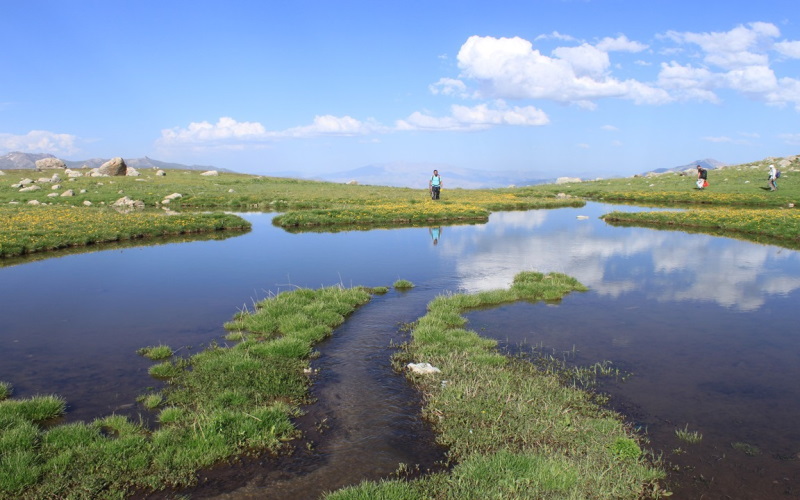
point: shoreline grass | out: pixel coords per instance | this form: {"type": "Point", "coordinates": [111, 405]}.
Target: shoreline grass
{"type": "Point", "coordinates": [781, 226]}
{"type": "Point", "coordinates": [512, 431]}
{"type": "Point", "coordinates": [36, 229]}
{"type": "Point", "coordinates": [218, 404]}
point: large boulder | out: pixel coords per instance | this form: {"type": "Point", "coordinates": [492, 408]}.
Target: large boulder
{"type": "Point", "coordinates": [113, 167]}
{"type": "Point", "coordinates": [50, 163]}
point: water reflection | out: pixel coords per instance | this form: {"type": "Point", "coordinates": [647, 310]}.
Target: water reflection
{"type": "Point", "coordinates": [666, 266]}
{"type": "Point", "coordinates": [436, 233]}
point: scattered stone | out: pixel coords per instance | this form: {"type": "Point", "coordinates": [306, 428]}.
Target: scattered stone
{"type": "Point", "coordinates": [132, 172]}
{"type": "Point", "coordinates": [55, 186]}
{"type": "Point", "coordinates": [52, 195]}
{"type": "Point", "coordinates": [210, 172]}
{"type": "Point", "coordinates": [231, 190]}
{"type": "Point", "coordinates": [127, 203]}
{"type": "Point", "coordinates": [72, 173]}
{"type": "Point", "coordinates": [34, 202]}
{"type": "Point", "coordinates": [113, 167]}
{"type": "Point", "coordinates": [87, 203]}
{"type": "Point", "coordinates": [160, 173]}
{"type": "Point", "coordinates": [423, 368]}
{"type": "Point", "coordinates": [32, 187]}
{"type": "Point", "coordinates": [2, 173]}
{"type": "Point", "coordinates": [567, 180]}
{"type": "Point", "coordinates": [173, 196]}
{"type": "Point", "coordinates": [68, 192]}
{"type": "Point", "coordinates": [352, 183]}
{"type": "Point", "coordinates": [50, 163]}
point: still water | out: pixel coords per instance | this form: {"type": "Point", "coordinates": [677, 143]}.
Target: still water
{"type": "Point", "coordinates": [707, 326]}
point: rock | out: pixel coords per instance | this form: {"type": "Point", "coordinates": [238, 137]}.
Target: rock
{"type": "Point", "coordinates": [423, 368]}
{"type": "Point", "coordinates": [352, 183]}
{"type": "Point", "coordinates": [567, 180]}
{"type": "Point", "coordinates": [128, 203]}
{"type": "Point", "coordinates": [2, 173]}
{"type": "Point", "coordinates": [210, 172]}
{"type": "Point", "coordinates": [50, 163]}
{"type": "Point", "coordinates": [173, 196]}
{"type": "Point", "coordinates": [68, 192]}
{"type": "Point", "coordinates": [113, 167]}
{"type": "Point", "coordinates": [52, 195]}
{"type": "Point", "coordinates": [32, 187]}
{"type": "Point", "coordinates": [72, 173]}
{"type": "Point", "coordinates": [160, 173]}
{"type": "Point", "coordinates": [56, 186]}
{"type": "Point", "coordinates": [132, 172]}
{"type": "Point", "coordinates": [34, 202]}
{"type": "Point", "coordinates": [25, 182]}
{"type": "Point", "coordinates": [42, 180]}
{"type": "Point", "coordinates": [87, 203]}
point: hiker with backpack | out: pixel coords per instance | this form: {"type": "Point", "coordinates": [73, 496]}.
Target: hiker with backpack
{"type": "Point", "coordinates": [435, 185]}
{"type": "Point", "coordinates": [774, 174]}
{"type": "Point", "coordinates": [702, 177]}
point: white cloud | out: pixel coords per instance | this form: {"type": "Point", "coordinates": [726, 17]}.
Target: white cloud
{"type": "Point", "coordinates": [477, 117]}
{"type": "Point", "coordinates": [40, 141]}
{"type": "Point", "coordinates": [609, 128]}
{"type": "Point", "coordinates": [332, 125]}
{"type": "Point", "coordinates": [792, 139]}
{"type": "Point", "coordinates": [620, 44]}
{"type": "Point", "coordinates": [448, 86]}
{"type": "Point", "coordinates": [228, 133]}
{"type": "Point", "coordinates": [511, 68]}
{"type": "Point", "coordinates": [741, 46]}
{"type": "Point", "coordinates": [789, 49]}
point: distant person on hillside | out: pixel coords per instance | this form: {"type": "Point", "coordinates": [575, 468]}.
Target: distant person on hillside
{"type": "Point", "coordinates": [702, 177]}
{"type": "Point", "coordinates": [773, 178]}
{"type": "Point", "coordinates": [435, 185]}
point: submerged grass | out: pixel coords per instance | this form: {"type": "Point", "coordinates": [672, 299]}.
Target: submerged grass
{"type": "Point", "coordinates": [219, 403]}
{"type": "Point", "coordinates": [513, 431]}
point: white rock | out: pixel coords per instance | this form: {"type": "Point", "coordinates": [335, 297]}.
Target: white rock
{"type": "Point", "coordinates": [423, 368]}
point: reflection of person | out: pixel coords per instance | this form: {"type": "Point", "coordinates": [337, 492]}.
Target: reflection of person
{"type": "Point", "coordinates": [702, 177]}
{"type": "Point", "coordinates": [773, 178]}
{"type": "Point", "coordinates": [435, 185]}
{"type": "Point", "coordinates": [435, 233]}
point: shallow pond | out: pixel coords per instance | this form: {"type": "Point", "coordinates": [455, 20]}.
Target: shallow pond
{"type": "Point", "coordinates": [706, 325]}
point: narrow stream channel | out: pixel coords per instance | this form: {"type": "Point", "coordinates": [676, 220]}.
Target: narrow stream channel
{"type": "Point", "coordinates": [364, 424]}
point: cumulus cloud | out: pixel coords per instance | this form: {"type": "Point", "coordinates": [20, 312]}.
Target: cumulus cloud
{"type": "Point", "coordinates": [448, 86]}
{"type": "Point", "coordinates": [228, 133]}
{"type": "Point", "coordinates": [40, 141]}
{"type": "Point", "coordinates": [737, 60]}
{"type": "Point", "coordinates": [620, 44]}
{"type": "Point", "coordinates": [477, 117]}
{"type": "Point", "coordinates": [510, 68]}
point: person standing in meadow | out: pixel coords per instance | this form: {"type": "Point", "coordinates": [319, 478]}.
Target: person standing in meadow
{"type": "Point", "coordinates": [773, 178]}
{"type": "Point", "coordinates": [435, 185]}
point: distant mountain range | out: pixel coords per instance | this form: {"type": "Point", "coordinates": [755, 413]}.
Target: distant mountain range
{"type": "Point", "coordinates": [413, 175]}
{"type": "Point", "coordinates": [708, 164]}
{"type": "Point", "coordinates": [17, 160]}
{"type": "Point", "coordinates": [417, 176]}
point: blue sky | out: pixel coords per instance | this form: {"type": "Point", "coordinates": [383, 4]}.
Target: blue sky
{"type": "Point", "coordinates": [566, 87]}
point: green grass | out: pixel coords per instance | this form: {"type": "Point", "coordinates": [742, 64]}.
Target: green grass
{"type": "Point", "coordinates": [31, 229]}
{"type": "Point", "coordinates": [220, 403]}
{"type": "Point", "coordinates": [687, 436]}
{"type": "Point", "coordinates": [157, 352]}
{"type": "Point", "coordinates": [403, 284]}
{"type": "Point", "coordinates": [5, 390]}
{"type": "Point", "coordinates": [512, 431]}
